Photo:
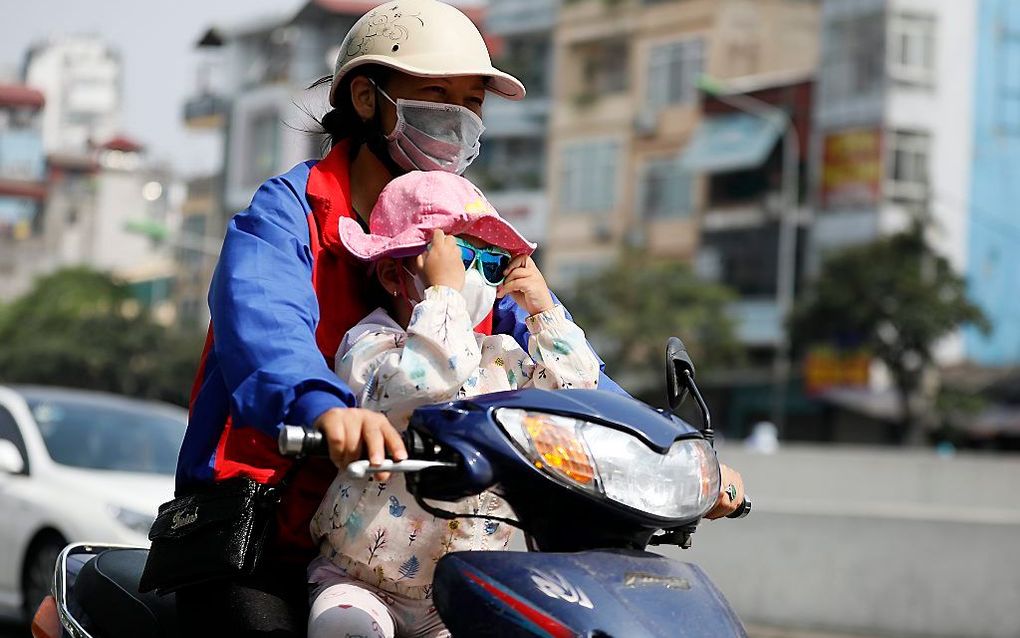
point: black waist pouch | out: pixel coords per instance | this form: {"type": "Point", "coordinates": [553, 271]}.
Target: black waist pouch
{"type": "Point", "coordinates": [217, 532]}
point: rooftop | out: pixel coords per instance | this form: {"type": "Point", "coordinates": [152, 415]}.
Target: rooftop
{"type": "Point", "coordinates": [20, 95]}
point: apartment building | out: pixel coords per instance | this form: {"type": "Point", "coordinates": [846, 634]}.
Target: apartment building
{"type": "Point", "coordinates": [626, 103]}
{"type": "Point", "coordinates": [917, 117]}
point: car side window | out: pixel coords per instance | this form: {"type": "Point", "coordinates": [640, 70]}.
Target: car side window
{"type": "Point", "coordinates": [10, 431]}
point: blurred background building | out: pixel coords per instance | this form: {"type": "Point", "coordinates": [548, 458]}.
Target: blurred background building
{"type": "Point", "coordinates": [916, 118]}
{"type": "Point", "coordinates": [22, 162]}
{"type": "Point", "coordinates": [81, 79]}
{"type": "Point", "coordinates": [71, 188]}
{"type": "Point", "coordinates": [626, 103]}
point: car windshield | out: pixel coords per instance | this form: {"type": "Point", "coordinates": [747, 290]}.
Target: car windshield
{"type": "Point", "coordinates": [122, 438]}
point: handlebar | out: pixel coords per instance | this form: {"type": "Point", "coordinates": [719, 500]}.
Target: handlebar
{"type": "Point", "coordinates": [295, 440]}
{"type": "Point", "coordinates": [743, 510]}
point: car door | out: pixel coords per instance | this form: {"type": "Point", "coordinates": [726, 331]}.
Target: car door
{"type": "Point", "coordinates": [11, 511]}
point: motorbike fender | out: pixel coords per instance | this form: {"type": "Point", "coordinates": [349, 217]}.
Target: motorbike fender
{"type": "Point", "coordinates": [619, 593]}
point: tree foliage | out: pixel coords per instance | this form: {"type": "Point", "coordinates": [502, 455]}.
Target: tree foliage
{"type": "Point", "coordinates": [81, 328]}
{"type": "Point", "coordinates": [631, 308]}
{"type": "Point", "coordinates": [895, 297]}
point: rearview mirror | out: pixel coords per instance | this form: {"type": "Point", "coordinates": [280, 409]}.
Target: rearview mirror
{"type": "Point", "coordinates": [11, 461]}
{"type": "Point", "coordinates": [680, 383]}
{"type": "Point", "coordinates": [677, 361]}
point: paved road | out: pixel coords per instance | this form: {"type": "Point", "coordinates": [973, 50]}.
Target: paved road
{"type": "Point", "coordinates": [772, 632]}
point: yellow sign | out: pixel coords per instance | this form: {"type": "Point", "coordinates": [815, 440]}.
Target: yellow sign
{"type": "Point", "coordinates": [825, 368]}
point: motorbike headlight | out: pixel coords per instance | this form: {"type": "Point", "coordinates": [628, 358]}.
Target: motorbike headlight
{"type": "Point", "coordinates": [137, 522]}
{"type": "Point", "coordinates": [681, 484]}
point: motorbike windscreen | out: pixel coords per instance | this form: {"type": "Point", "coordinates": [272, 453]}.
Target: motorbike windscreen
{"type": "Point", "coordinates": [115, 437]}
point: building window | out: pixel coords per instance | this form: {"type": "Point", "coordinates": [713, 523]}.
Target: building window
{"type": "Point", "coordinates": [673, 72]}
{"type": "Point", "coordinates": [908, 166]}
{"type": "Point", "coordinates": [665, 190]}
{"type": "Point", "coordinates": [853, 57]}
{"type": "Point", "coordinates": [745, 259]}
{"type": "Point", "coordinates": [527, 59]}
{"type": "Point", "coordinates": [264, 147]}
{"type": "Point", "coordinates": [912, 50]}
{"type": "Point", "coordinates": [604, 67]}
{"type": "Point", "coordinates": [588, 177]}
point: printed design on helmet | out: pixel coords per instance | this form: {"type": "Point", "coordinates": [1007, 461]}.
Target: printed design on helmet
{"type": "Point", "coordinates": [390, 23]}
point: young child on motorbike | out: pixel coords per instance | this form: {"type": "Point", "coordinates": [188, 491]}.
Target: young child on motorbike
{"type": "Point", "coordinates": [443, 255]}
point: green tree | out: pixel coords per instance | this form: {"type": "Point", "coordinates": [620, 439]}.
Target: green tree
{"type": "Point", "coordinates": [631, 308]}
{"type": "Point", "coordinates": [895, 297]}
{"type": "Point", "coordinates": [81, 328]}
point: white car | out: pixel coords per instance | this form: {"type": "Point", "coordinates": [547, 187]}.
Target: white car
{"type": "Point", "coordinates": [76, 466]}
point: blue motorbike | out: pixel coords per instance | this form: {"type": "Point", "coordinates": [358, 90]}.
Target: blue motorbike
{"type": "Point", "coordinates": [593, 478]}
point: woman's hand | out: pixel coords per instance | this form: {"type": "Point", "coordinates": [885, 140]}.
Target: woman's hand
{"type": "Point", "coordinates": [525, 283]}
{"type": "Point", "coordinates": [353, 433]}
{"type": "Point", "coordinates": [727, 505]}
{"type": "Point", "coordinates": [440, 264]}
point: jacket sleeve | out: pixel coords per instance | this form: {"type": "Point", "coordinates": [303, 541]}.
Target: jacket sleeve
{"type": "Point", "coordinates": [395, 372]}
{"type": "Point", "coordinates": [510, 319]}
{"type": "Point", "coordinates": [264, 313]}
{"type": "Point", "coordinates": [561, 354]}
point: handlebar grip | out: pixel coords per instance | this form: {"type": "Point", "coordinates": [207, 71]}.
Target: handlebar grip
{"type": "Point", "coordinates": [743, 510]}
{"type": "Point", "coordinates": [295, 440]}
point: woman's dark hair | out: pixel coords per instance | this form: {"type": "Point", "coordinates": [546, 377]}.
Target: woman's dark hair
{"type": "Point", "coordinates": [343, 121]}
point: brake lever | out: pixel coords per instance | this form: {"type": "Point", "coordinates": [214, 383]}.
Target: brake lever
{"type": "Point", "coordinates": [359, 469]}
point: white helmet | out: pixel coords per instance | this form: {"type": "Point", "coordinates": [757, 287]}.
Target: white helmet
{"type": "Point", "coordinates": [424, 38]}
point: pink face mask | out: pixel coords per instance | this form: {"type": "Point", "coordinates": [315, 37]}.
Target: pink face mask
{"type": "Point", "coordinates": [433, 136]}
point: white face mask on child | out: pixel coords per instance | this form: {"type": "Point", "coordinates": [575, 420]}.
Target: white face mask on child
{"type": "Point", "coordinates": [478, 294]}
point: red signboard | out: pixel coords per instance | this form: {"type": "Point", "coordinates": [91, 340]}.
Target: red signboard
{"type": "Point", "coordinates": [852, 168]}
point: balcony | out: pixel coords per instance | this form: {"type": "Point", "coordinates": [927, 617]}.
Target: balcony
{"type": "Point", "coordinates": [205, 112]}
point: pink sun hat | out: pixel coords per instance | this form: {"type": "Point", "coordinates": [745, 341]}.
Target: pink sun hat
{"type": "Point", "coordinates": [413, 205]}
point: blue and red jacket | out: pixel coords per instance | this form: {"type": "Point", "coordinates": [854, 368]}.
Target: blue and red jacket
{"type": "Point", "coordinates": [284, 293]}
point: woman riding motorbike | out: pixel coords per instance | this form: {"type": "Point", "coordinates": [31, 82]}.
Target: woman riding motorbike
{"type": "Point", "coordinates": [407, 94]}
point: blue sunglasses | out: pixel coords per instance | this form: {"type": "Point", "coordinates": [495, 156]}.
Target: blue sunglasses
{"type": "Point", "coordinates": [491, 262]}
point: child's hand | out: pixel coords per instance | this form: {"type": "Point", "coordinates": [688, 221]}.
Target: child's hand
{"type": "Point", "coordinates": [440, 264]}
{"type": "Point", "coordinates": [526, 285]}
